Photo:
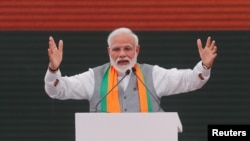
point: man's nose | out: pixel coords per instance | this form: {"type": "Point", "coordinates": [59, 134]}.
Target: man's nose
{"type": "Point", "coordinates": [122, 54]}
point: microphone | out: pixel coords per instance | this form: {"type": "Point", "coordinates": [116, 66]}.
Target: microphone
{"type": "Point", "coordinates": [154, 96]}
{"type": "Point", "coordinates": [126, 74]}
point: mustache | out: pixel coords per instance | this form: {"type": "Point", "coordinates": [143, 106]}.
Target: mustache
{"type": "Point", "coordinates": [123, 59]}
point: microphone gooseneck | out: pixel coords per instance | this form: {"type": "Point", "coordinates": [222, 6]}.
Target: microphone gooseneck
{"type": "Point", "coordinates": [153, 96]}
{"type": "Point", "coordinates": [126, 74]}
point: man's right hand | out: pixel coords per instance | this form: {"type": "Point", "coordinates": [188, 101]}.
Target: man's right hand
{"type": "Point", "coordinates": [55, 54]}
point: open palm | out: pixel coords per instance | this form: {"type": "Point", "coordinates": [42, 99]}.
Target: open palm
{"type": "Point", "coordinates": [55, 54]}
{"type": "Point", "coordinates": [208, 53]}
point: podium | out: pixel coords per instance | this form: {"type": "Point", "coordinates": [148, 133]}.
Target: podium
{"type": "Point", "coordinates": [163, 126]}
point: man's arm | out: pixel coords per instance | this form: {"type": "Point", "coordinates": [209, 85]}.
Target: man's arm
{"type": "Point", "coordinates": [175, 81]}
{"type": "Point", "coordinates": [80, 86]}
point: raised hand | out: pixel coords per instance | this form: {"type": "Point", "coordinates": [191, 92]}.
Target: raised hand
{"type": "Point", "coordinates": [208, 53]}
{"type": "Point", "coordinates": [55, 54]}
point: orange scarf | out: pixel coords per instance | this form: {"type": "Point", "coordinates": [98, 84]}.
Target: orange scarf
{"type": "Point", "coordinates": [111, 102]}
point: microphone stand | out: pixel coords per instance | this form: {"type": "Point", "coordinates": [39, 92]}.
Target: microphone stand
{"type": "Point", "coordinates": [126, 73]}
{"type": "Point", "coordinates": [154, 97]}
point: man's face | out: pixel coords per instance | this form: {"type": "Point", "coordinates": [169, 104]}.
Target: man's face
{"type": "Point", "coordinates": [123, 52]}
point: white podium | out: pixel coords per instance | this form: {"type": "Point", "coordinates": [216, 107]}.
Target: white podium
{"type": "Point", "coordinates": [127, 126]}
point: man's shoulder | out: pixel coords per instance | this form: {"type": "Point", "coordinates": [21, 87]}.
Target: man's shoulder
{"type": "Point", "coordinates": [145, 65]}
{"type": "Point", "coordinates": [101, 68]}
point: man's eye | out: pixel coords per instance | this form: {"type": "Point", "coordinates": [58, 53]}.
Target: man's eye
{"type": "Point", "coordinates": [127, 49]}
{"type": "Point", "coordinates": [116, 49]}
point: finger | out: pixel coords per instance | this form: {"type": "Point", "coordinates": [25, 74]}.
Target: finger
{"type": "Point", "coordinates": [52, 43]}
{"type": "Point", "coordinates": [208, 42]}
{"type": "Point", "coordinates": [214, 51]}
{"type": "Point", "coordinates": [214, 55]}
{"type": "Point", "coordinates": [199, 45]}
{"type": "Point", "coordinates": [61, 46]}
{"type": "Point", "coordinates": [49, 52]}
{"type": "Point", "coordinates": [212, 44]}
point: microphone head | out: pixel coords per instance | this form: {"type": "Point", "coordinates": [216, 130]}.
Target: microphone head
{"type": "Point", "coordinates": [127, 72]}
{"type": "Point", "coordinates": [133, 69]}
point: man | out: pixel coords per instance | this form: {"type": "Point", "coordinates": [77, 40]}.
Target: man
{"type": "Point", "coordinates": [123, 85]}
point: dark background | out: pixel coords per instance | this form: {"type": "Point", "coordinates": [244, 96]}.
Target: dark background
{"type": "Point", "coordinates": [28, 114]}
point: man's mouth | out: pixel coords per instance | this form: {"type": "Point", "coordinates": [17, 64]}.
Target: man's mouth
{"type": "Point", "coordinates": [123, 62]}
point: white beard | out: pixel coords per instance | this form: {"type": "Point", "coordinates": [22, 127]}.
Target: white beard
{"type": "Point", "coordinates": [123, 68]}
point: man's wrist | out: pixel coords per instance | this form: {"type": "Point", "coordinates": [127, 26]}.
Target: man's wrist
{"type": "Point", "coordinates": [205, 67]}
{"type": "Point", "coordinates": [53, 70]}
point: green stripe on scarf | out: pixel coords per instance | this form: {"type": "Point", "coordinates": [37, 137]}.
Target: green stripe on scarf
{"type": "Point", "coordinates": [104, 89]}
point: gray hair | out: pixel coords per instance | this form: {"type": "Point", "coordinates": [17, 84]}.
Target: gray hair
{"type": "Point", "coordinates": [120, 31]}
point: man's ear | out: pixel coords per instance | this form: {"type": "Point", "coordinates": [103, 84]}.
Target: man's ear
{"type": "Point", "coordinates": [137, 49]}
{"type": "Point", "coordinates": [108, 49]}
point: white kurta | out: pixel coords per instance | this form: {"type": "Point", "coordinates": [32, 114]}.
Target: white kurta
{"type": "Point", "coordinates": [166, 82]}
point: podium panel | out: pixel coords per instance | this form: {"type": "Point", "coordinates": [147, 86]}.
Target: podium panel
{"type": "Point", "coordinates": [127, 126]}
